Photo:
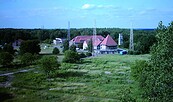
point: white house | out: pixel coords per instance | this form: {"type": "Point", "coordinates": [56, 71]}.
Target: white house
{"type": "Point", "coordinates": [108, 46]}
{"type": "Point", "coordinates": [57, 41]}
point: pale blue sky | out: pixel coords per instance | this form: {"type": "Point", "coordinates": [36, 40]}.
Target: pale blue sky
{"type": "Point", "coordinates": [82, 13]}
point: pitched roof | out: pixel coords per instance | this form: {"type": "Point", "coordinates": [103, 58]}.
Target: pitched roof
{"type": "Point", "coordinates": [96, 43]}
{"type": "Point", "coordinates": [108, 41]}
{"type": "Point", "coordinates": [81, 39]}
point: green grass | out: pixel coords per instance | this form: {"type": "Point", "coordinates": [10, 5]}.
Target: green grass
{"type": "Point", "coordinates": [105, 78]}
{"type": "Point", "coordinates": [49, 48]}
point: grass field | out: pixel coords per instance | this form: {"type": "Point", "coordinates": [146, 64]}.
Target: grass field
{"type": "Point", "coordinates": [104, 78]}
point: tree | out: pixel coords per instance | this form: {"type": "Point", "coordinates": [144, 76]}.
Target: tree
{"type": "Point", "coordinates": [80, 46]}
{"type": "Point", "coordinates": [73, 48]}
{"type": "Point", "coordinates": [90, 46]}
{"type": "Point", "coordinates": [0, 49]}
{"type": "Point", "coordinates": [28, 58]}
{"type": "Point", "coordinates": [66, 45]}
{"type": "Point", "coordinates": [55, 51]}
{"type": "Point", "coordinates": [156, 79]}
{"type": "Point", "coordinates": [49, 64]}
{"type": "Point", "coordinates": [5, 58]}
{"type": "Point", "coordinates": [8, 48]}
{"type": "Point", "coordinates": [71, 57]}
{"type": "Point", "coordinates": [30, 46]}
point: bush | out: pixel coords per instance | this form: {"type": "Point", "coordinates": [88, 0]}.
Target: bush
{"type": "Point", "coordinates": [71, 57]}
{"type": "Point", "coordinates": [88, 54]}
{"type": "Point", "coordinates": [134, 52]}
{"type": "Point", "coordinates": [5, 58]}
{"type": "Point", "coordinates": [28, 58]}
{"type": "Point", "coordinates": [65, 45]}
{"type": "Point", "coordinates": [9, 48]}
{"type": "Point", "coordinates": [155, 76]}
{"type": "Point", "coordinates": [30, 46]}
{"type": "Point", "coordinates": [73, 48]}
{"type": "Point", "coordinates": [82, 55]}
{"type": "Point", "coordinates": [55, 51]}
{"type": "Point", "coordinates": [49, 64]}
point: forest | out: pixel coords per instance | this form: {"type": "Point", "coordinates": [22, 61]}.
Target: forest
{"type": "Point", "coordinates": [143, 38]}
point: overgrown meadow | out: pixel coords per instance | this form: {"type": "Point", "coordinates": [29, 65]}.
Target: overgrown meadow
{"type": "Point", "coordinates": [104, 78]}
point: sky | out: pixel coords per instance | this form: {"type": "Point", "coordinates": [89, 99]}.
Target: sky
{"type": "Point", "coordinates": [55, 14]}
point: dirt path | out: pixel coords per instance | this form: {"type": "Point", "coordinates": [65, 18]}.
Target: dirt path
{"type": "Point", "coordinates": [10, 76]}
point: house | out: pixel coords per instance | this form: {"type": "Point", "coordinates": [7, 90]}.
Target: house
{"type": "Point", "coordinates": [83, 40]}
{"type": "Point", "coordinates": [57, 41]}
{"type": "Point", "coordinates": [17, 42]}
{"type": "Point", "coordinates": [108, 46]}
{"type": "Point", "coordinates": [100, 44]}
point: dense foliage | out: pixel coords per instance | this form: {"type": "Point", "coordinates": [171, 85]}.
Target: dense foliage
{"type": "Point", "coordinates": [30, 46]}
{"type": "Point", "coordinates": [9, 48]}
{"type": "Point", "coordinates": [90, 46]}
{"type": "Point", "coordinates": [6, 58]}
{"type": "Point", "coordinates": [65, 45]}
{"type": "Point", "coordinates": [71, 57]}
{"type": "Point", "coordinates": [143, 38]}
{"type": "Point", "coordinates": [49, 64]}
{"type": "Point", "coordinates": [55, 51]}
{"type": "Point", "coordinates": [72, 48]}
{"type": "Point", "coordinates": [155, 76]}
{"type": "Point", "coordinates": [28, 58]}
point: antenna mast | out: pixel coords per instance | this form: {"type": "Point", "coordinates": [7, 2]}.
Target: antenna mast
{"type": "Point", "coordinates": [131, 46]}
{"type": "Point", "coordinates": [94, 35]}
{"type": "Point", "coordinates": [68, 35]}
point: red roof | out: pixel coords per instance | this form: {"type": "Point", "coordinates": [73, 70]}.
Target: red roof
{"type": "Point", "coordinates": [96, 43]}
{"type": "Point", "coordinates": [81, 39]}
{"type": "Point", "coordinates": [108, 41]}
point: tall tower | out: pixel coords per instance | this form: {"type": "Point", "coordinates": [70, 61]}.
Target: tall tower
{"type": "Point", "coordinates": [120, 39]}
{"type": "Point", "coordinates": [94, 33]}
{"type": "Point", "coordinates": [131, 46]}
{"type": "Point", "coordinates": [68, 35]}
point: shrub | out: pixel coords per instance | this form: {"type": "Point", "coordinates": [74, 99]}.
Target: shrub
{"type": "Point", "coordinates": [28, 58]}
{"type": "Point", "coordinates": [49, 64]}
{"type": "Point", "coordinates": [155, 76]}
{"type": "Point", "coordinates": [82, 55]}
{"type": "Point", "coordinates": [55, 51]}
{"type": "Point", "coordinates": [73, 48]}
{"type": "Point", "coordinates": [65, 45]}
{"type": "Point", "coordinates": [88, 54]}
{"type": "Point", "coordinates": [9, 48]}
{"type": "Point", "coordinates": [5, 58]}
{"type": "Point", "coordinates": [71, 57]}
{"type": "Point", "coordinates": [30, 46]}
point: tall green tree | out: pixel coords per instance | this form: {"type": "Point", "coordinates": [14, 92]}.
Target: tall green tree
{"type": "Point", "coordinates": [6, 58]}
{"type": "Point", "coordinates": [65, 45]}
{"type": "Point", "coordinates": [90, 46]}
{"type": "Point", "coordinates": [49, 64]}
{"type": "Point", "coordinates": [8, 48]}
{"type": "Point", "coordinates": [155, 76]}
{"type": "Point", "coordinates": [71, 57]}
{"type": "Point", "coordinates": [73, 48]}
{"type": "Point", "coordinates": [30, 46]}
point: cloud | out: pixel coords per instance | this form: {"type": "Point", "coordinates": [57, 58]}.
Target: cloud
{"type": "Point", "coordinates": [88, 6]}
{"type": "Point", "coordinates": [92, 6]}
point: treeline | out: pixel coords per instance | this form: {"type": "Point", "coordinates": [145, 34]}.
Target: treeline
{"type": "Point", "coordinates": [143, 38]}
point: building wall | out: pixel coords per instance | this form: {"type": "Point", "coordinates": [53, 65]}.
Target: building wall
{"type": "Point", "coordinates": [85, 45]}
{"type": "Point", "coordinates": [103, 47]}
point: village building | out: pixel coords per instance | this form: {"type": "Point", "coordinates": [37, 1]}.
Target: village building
{"type": "Point", "coordinates": [108, 46]}
{"type": "Point", "coordinates": [57, 41]}
{"type": "Point", "coordinates": [84, 40]}
{"type": "Point", "coordinates": [101, 45]}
